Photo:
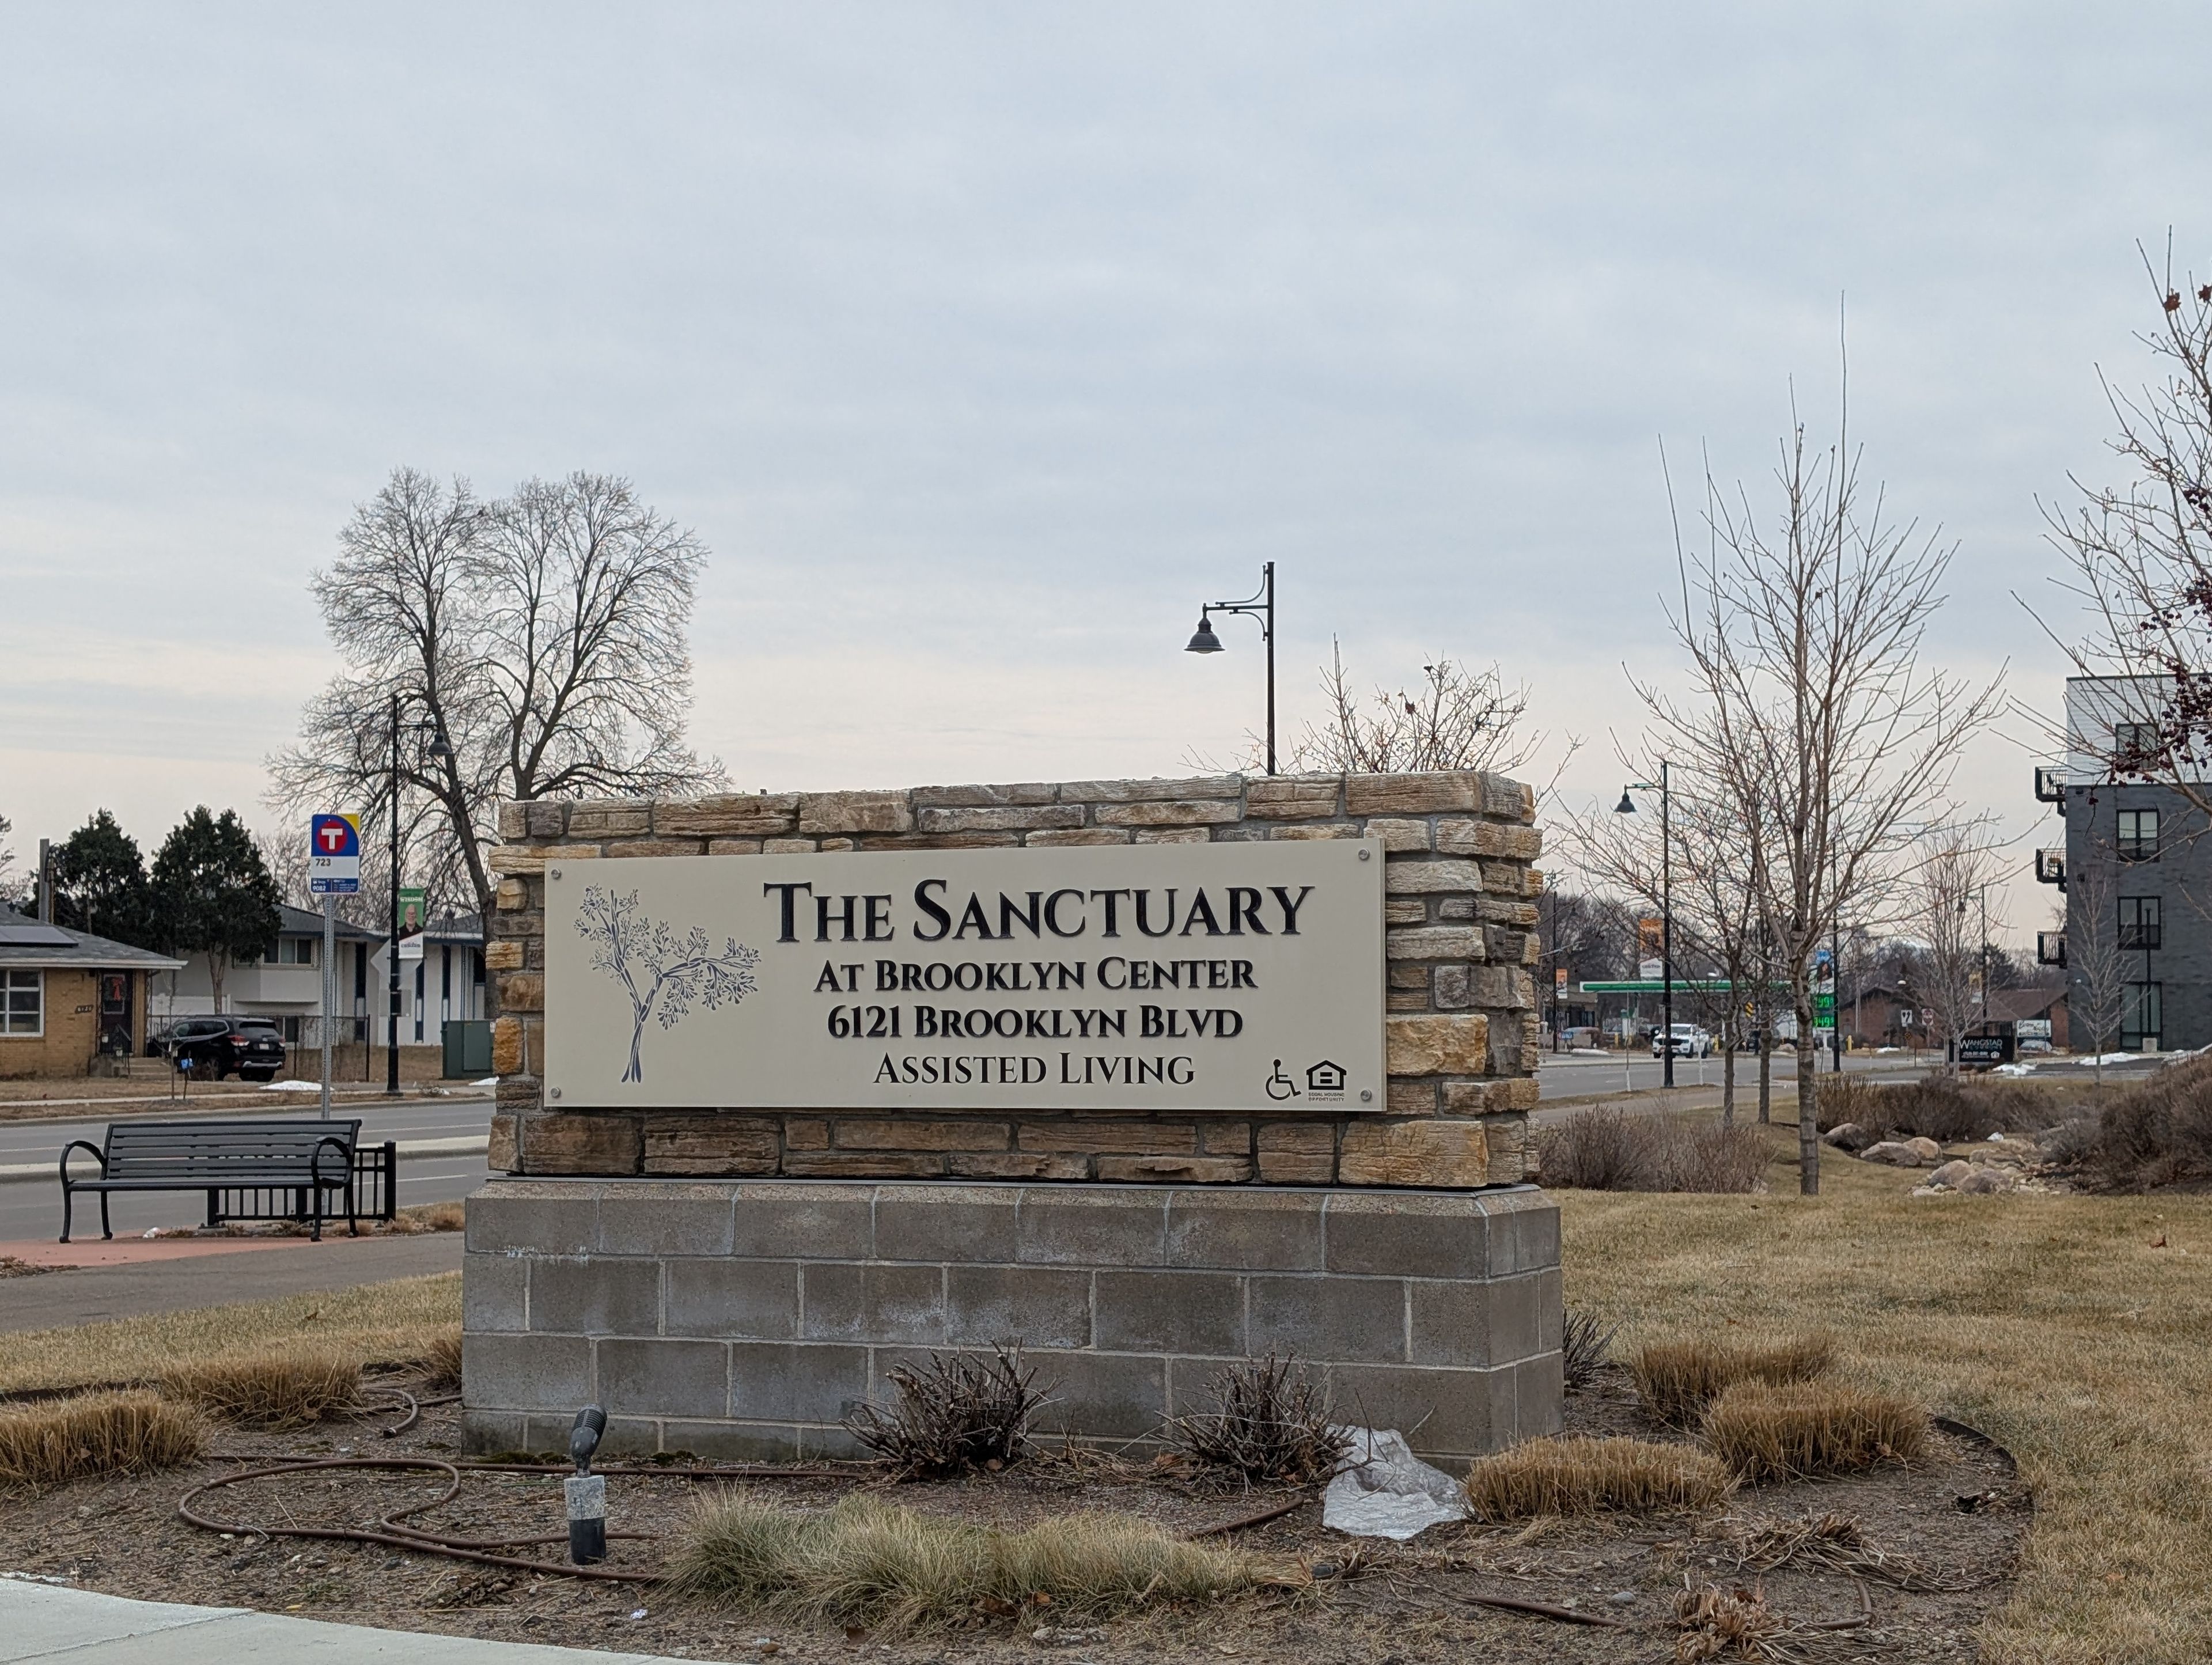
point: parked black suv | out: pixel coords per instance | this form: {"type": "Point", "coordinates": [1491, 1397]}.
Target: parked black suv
{"type": "Point", "coordinates": [251, 1049]}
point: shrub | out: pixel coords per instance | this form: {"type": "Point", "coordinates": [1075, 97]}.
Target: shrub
{"type": "Point", "coordinates": [1584, 1345]}
{"type": "Point", "coordinates": [97, 1434]}
{"type": "Point", "coordinates": [1268, 1423]}
{"type": "Point", "coordinates": [2159, 1133]}
{"type": "Point", "coordinates": [1792, 1429]}
{"type": "Point", "coordinates": [288, 1389]}
{"type": "Point", "coordinates": [1838, 1099]}
{"type": "Point", "coordinates": [1676, 1380]}
{"type": "Point", "coordinates": [1943, 1107]}
{"type": "Point", "coordinates": [1608, 1150]}
{"type": "Point", "coordinates": [955, 1413]}
{"type": "Point", "coordinates": [1579, 1475]}
{"type": "Point", "coordinates": [866, 1561]}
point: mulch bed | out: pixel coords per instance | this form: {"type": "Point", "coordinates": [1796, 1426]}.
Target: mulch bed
{"type": "Point", "coordinates": [1955, 1523]}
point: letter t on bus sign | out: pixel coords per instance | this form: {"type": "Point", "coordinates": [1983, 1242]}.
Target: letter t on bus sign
{"type": "Point", "coordinates": [334, 855]}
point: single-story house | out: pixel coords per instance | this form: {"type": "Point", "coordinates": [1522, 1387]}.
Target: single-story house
{"type": "Point", "coordinates": [67, 996]}
{"type": "Point", "coordinates": [2048, 1004]}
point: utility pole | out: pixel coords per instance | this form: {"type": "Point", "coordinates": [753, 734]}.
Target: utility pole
{"type": "Point", "coordinates": [392, 947]}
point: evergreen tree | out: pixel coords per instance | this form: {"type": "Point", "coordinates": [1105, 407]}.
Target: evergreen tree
{"type": "Point", "coordinates": [100, 884]}
{"type": "Point", "coordinates": [214, 895]}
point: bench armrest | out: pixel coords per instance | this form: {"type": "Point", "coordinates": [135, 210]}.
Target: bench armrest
{"type": "Point", "coordinates": [98, 1155]}
{"type": "Point", "coordinates": [328, 1142]}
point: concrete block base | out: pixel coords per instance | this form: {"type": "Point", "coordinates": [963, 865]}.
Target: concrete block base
{"type": "Point", "coordinates": [746, 1319]}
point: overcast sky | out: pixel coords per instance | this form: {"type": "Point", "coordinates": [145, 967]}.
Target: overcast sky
{"type": "Point", "coordinates": [981, 343]}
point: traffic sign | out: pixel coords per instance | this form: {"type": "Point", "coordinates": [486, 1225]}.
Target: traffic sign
{"type": "Point", "coordinates": [334, 855]}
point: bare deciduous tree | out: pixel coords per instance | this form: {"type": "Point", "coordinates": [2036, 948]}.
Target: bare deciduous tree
{"type": "Point", "coordinates": [2141, 556]}
{"type": "Point", "coordinates": [1811, 711]}
{"type": "Point", "coordinates": [544, 636]}
{"type": "Point", "coordinates": [2096, 965]}
{"type": "Point", "coordinates": [1462, 717]}
{"type": "Point", "coordinates": [1958, 864]}
{"type": "Point", "coordinates": [1709, 870]}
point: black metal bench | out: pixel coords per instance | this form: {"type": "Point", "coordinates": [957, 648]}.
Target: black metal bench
{"type": "Point", "coordinates": [258, 1170]}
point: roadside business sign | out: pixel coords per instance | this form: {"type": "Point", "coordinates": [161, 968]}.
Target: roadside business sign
{"type": "Point", "coordinates": [334, 855]}
{"type": "Point", "coordinates": [1244, 976]}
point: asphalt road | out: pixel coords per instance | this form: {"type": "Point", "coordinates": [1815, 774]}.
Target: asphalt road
{"type": "Point", "coordinates": [31, 1206]}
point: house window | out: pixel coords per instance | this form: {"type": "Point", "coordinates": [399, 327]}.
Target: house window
{"type": "Point", "coordinates": [2140, 925]}
{"type": "Point", "coordinates": [2138, 834]}
{"type": "Point", "coordinates": [23, 1003]}
{"type": "Point", "coordinates": [2135, 746]}
{"type": "Point", "coordinates": [2143, 1017]}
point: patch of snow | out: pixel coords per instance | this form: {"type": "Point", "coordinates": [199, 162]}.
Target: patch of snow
{"type": "Point", "coordinates": [488, 1081]}
{"type": "Point", "coordinates": [291, 1086]}
{"type": "Point", "coordinates": [2014, 1069]}
{"type": "Point", "coordinates": [2096, 1057]}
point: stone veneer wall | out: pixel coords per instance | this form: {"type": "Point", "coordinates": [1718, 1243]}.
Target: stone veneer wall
{"type": "Point", "coordinates": [1460, 917]}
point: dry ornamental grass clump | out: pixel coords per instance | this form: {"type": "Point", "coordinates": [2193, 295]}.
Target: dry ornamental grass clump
{"type": "Point", "coordinates": [1712, 1622]}
{"type": "Point", "coordinates": [96, 1435]}
{"type": "Point", "coordinates": [1578, 1475]}
{"type": "Point", "coordinates": [866, 1561]}
{"type": "Point", "coordinates": [441, 1358]}
{"type": "Point", "coordinates": [289, 1388]}
{"type": "Point", "coordinates": [1269, 1424]}
{"type": "Point", "coordinates": [1676, 1380]}
{"type": "Point", "coordinates": [1797, 1429]}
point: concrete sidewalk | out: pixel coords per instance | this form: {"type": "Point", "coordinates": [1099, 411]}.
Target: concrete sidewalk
{"type": "Point", "coordinates": [56, 1298]}
{"type": "Point", "coordinates": [40, 1622]}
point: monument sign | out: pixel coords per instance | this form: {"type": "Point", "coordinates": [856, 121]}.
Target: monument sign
{"type": "Point", "coordinates": [1216, 977]}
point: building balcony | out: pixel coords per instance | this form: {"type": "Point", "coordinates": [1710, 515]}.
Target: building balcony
{"type": "Point", "coordinates": [2050, 785]}
{"type": "Point", "coordinates": [2050, 948]}
{"type": "Point", "coordinates": [2051, 867]}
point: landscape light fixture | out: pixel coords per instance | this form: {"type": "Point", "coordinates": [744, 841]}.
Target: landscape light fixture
{"type": "Point", "coordinates": [1262, 607]}
{"type": "Point", "coordinates": [1627, 806]}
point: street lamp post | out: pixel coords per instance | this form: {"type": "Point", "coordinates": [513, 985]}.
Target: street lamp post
{"type": "Point", "coordinates": [1627, 806]}
{"type": "Point", "coordinates": [441, 749]}
{"type": "Point", "coordinates": [1262, 607]}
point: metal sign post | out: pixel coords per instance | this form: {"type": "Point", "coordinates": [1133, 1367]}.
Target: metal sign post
{"type": "Point", "coordinates": [333, 871]}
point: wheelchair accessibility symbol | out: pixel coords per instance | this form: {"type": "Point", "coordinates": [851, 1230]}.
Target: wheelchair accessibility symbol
{"type": "Point", "coordinates": [1279, 1085]}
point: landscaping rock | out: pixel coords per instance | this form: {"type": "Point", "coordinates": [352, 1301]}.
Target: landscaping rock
{"type": "Point", "coordinates": [1905, 1153]}
{"type": "Point", "coordinates": [1950, 1174]}
{"type": "Point", "coordinates": [1986, 1181]}
{"type": "Point", "coordinates": [1846, 1136]}
{"type": "Point", "coordinates": [2013, 1152]}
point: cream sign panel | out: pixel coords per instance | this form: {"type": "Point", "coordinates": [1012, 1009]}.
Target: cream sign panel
{"type": "Point", "coordinates": [1230, 977]}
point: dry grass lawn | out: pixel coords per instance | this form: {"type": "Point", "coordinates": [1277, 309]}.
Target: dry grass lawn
{"type": "Point", "coordinates": [402, 1319]}
{"type": "Point", "coordinates": [2071, 1328]}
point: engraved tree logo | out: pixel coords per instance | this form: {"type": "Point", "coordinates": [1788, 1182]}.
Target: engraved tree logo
{"type": "Point", "coordinates": [663, 973]}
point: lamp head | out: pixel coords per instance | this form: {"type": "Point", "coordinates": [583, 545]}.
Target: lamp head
{"type": "Point", "coordinates": [584, 1435]}
{"type": "Point", "coordinates": [1626, 805]}
{"type": "Point", "coordinates": [440, 748]}
{"type": "Point", "coordinates": [1203, 640]}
